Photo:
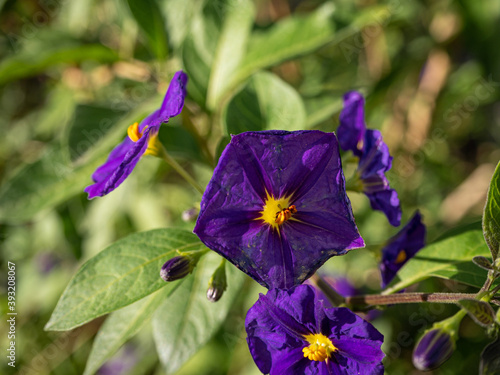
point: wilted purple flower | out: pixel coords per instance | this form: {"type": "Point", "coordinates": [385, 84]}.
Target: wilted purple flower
{"type": "Point", "coordinates": [276, 206]}
{"type": "Point", "coordinates": [373, 164]}
{"type": "Point", "coordinates": [142, 139]}
{"type": "Point", "coordinates": [352, 125]}
{"type": "Point", "coordinates": [402, 247]}
{"type": "Point", "coordinates": [433, 349]}
{"type": "Point", "coordinates": [292, 332]}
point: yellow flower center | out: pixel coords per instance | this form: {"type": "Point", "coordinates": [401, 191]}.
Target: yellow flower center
{"type": "Point", "coordinates": [133, 132]}
{"type": "Point", "coordinates": [320, 348]}
{"type": "Point", "coordinates": [276, 211]}
{"type": "Point", "coordinates": [401, 257]}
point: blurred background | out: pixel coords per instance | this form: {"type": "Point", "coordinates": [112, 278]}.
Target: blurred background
{"type": "Point", "coordinates": [75, 74]}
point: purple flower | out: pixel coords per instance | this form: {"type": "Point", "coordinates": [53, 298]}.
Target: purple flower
{"type": "Point", "coordinates": [142, 139]}
{"type": "Point", "coordinates": [352, 126]}
{"type": "Point", "coordinates": [402, 247]}
{"type": "Point", "coordinates": [373, 163]}
{"type": "Point", "coordinates": [374, 157]}
{"type": "Point", "coordinates": [276, 206]}
{"type": "Point", "coordinates": [292, 332]}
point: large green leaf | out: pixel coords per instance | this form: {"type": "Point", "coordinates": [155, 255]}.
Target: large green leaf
{"type": "Point", "coordinates": [179, 15]}
{"type": "Point", "coordinates": [121, 274]}
{"type": "Point", "coordinates": [230, 48]}
{"type": "Point", "coordinates": [150, 20]}
{"type": "Point", "coordinates": [121, 325]}
{"type": "Point", "coordinates": [450, 258]}
{"type": "Point", "coordinates": [294, 36]}
{"type": "Point", "coordinates": [491, 216]}
{"type": "Point", "coordinates": [187, 320]}
{"type": "Point", "coordinates": [266, 102]}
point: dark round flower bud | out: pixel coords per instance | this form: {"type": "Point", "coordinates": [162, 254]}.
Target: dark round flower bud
{"type": "Point", "coordinates": [177, 267]}
{"type": "Point", "coordinates": [217, 284]}
{"type": "Point", "coordinates": [433, 349]}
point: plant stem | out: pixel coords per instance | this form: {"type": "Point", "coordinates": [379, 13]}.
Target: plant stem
{"type": "Point", "coordinates": [335, 298]}
{"type": "Point", "coordinates": [165, 156]}
{"type": "Point", "coordinates": [392, 299]}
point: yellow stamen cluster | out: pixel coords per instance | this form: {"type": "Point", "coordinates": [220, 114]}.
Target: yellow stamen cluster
{"type": "Point", "coordinates": [276, 211]}
{"type": "Point", "coordinates": [401, 257]}
{"type": "Point", "coordinates": [133, 132]}
{"type": "Point", "coordinates": [320, 348]}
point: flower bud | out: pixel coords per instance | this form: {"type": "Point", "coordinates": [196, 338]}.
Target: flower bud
{"type": "Point", "coordinates": [190, 214]}
{"type": "Point", "coordinates": [178, 267]}
{"type": "Point", "coordinates": [433, 349]}
{"type": "Point", "coordinates": [217, 284]}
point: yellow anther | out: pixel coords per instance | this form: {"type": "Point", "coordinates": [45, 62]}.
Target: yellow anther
{"type": "Point", "coordinates": [320, 348]}
{"type": "Point", "coordinates": [401, 257]}
{"type": "Point", "coordinates": [273, 212]}
{"type": "Point", "coordinates": [133, 132]}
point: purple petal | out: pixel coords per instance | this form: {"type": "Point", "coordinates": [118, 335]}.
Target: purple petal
{"type": "Point", "coordinates": [352, 123]}
{"type": "Point", "coordinates": [411, 238]}
{"type": "Point", "coordinates": [303, 164]}
{"type": "Point", "coordinates": [125, 156]}
{"type": "Point", "coordinates": [387, 201]}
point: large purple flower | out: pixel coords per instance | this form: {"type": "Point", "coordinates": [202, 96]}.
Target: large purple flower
{"type": "Point", "coordinates": [352, 125]}
{"type": "Point", "coordinates": [142, 139]}
{"type": "Point", "coordinates": [276, 206]}
{"type": "Point", "coordinates": [402, 247]}
{"type": "Point", "coordinates": [291, 332]}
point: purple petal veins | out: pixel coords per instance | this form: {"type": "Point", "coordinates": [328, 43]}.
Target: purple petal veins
{"type": "Point", "coordinates": [302, 168]}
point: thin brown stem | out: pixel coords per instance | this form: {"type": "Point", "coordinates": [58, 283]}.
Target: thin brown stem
{"type": "Point", "coordinates": [392, 299]}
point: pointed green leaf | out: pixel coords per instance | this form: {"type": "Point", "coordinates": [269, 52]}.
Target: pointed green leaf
{"type": "Point", "coordinates": [231, 47]}
{"type": "Point", "coordinates": [187, 320]}
{"type": "Point", "coordinates": [150, 20]}
{"type": "Point", "coordinates": [449, 258]}
{"type": "Point", "coordinates": [121, 274]}
{"type": "Point", "coordinates": [121, 325]}
{"type": "Point", "coordinates": [490, 359]}
{"type": "Point", "coordinates": [481, 312]}
{"type": "Point", "coordinates": [482, 262]}
{"type": "Point", "coordinates": [294, 36]}
{"type": "Point", "coordinates": [266, 102]}
{"type": "Point", "coordinates": [491, 216]}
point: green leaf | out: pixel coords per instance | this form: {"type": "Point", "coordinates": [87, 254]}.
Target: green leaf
{"type": "Point", "coordinates": [491, 216]}
{"type": "Point", "coordinates": [180, 143]}
{"type": "Point", "coordinates": [121, 274]}
{"type": "Point", "coordinates": [28, 64]}
{"type": "Point", "coordinates": [321, 109]}
{"type": "Point", "coordinates": [123, 324]}
{"type": "Point", "coordinates": [230, 48]}
{"type": "Point", "coordinates": [179, 15]}
{"type": "Point", "coordinates": [292, 37]}
{"type": "Point", "coordinates": [490, 359]}
{"type": "Point", "coordinates": [198, 53]}
{"type": "Point", "coordinates": [150, 20]}
{"type": "Point", "coordinates": [481, 312]}
{"type": "Point", "coordinates": [42, 184]}
{"type": "Point", "coordinates": [482, 262]}
{"type": "Point", "coordinates": [187, 320]}
{"type": "Point", "coordinates": [449, 258]}
{"type": "Point", "coordinates": [266, 102]}
{"type": "Point", "coordinates": [90, 124]}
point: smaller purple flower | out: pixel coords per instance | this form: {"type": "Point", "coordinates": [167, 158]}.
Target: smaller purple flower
{"type": "Point", "coordinates": [373, 164]}
{"type": "Point", "coordinates": [402, 247]}
{"type": "Point", "coordinates": [292, 332]}
{"type": "Point", "coordinates": [142, 139]}
{"type": "Point", "coordinates": [352, 126]}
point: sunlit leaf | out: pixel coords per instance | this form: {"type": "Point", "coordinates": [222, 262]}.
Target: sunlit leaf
{"type": "Point", "coordinates": [491, 216]}
{"type": "Point", "coordinates": [449, 258]}
{"type": "Point", "coordinates": [187, 320]}
{"type": "Point", "coordinates": [121, 274]}
{"type": "Point", "coordinates": [266, 102]}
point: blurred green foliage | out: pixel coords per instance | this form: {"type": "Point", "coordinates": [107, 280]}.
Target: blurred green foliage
{"type": "Point", "coordinates": [75, 74]}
